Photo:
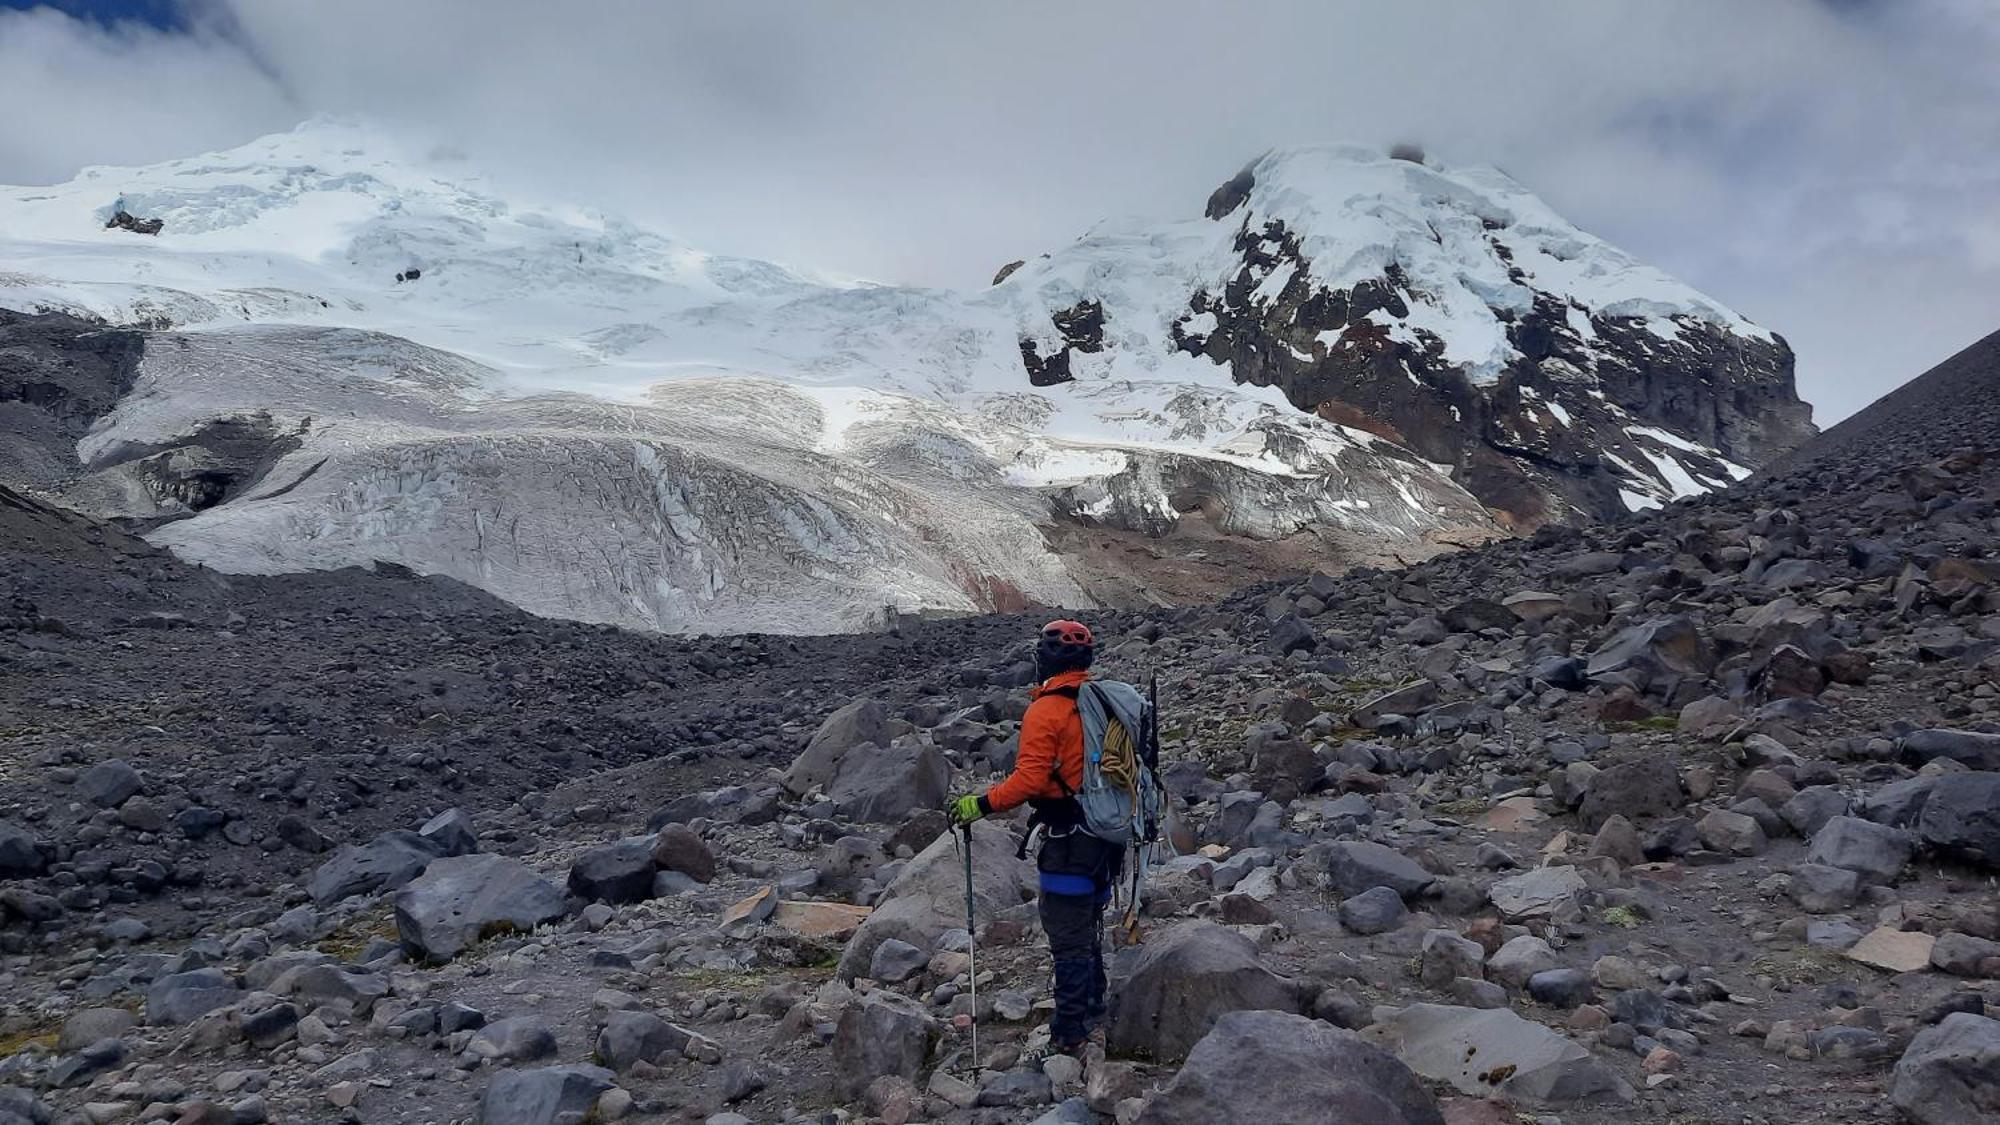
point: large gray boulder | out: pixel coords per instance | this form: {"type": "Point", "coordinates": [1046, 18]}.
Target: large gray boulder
{"type": "Point", "coordinates": [882, 1033]}
{"type": "Point", "coordinates": [1973, 749]}
{"type": "Point", "coordinates": [1354, 866]}
{"type": "Point", "coordinates": [109, 783]}
{"type": "Point", "coordinates": [1961, 818]}
{"type": "Point", "coordinates": [1950, 1075]}
{"type": "Point", "coordinates": [1642, 787]}
{"type": "Point", "coordinates": [1484, 1051]}
{"type": "Point", "coordinates": [549, 1095]}
{"type": "Point", "coordinates": [1876, 852]}
{"type": "Point", "coordinates": [630, 1038]}
{"type": "Point", "coordinates": [862, 722]}
{"type": "Point", "coordinates": [881, 785]}
{"type": "Point", "coordinates": [1555, 893]}
{"type": "Point", "coordinates": [461, 899]}
{"type": "Point", "coordinates": [1273, 1067]}
{"type": "Point", "coordinates": [451, 830]}
{"type": "Point", "coordinates": [620, 871]}
{"type": "Point", "coordinates": [180, 997]}
{"type": "Point", "coordinates": [382, 864]}
{"type": "Point", "coordinates": [1183, 981]}
{"type": "Point", "coordinates": [21, 851]}
{"type": "Point", "coordinates": [1653, 657]}
{"type": "Point", "coordinates": [928, 896]}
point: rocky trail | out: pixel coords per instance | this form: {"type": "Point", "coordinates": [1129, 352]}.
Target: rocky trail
{"type": "Point", "coordinates": [1689, 818]}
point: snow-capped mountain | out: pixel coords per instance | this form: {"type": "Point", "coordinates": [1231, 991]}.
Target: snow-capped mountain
{"type": "Point", "coordinates": [354, 353]}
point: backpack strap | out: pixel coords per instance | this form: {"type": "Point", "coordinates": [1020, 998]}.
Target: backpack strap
{"type": "Point", "coordinates": [1068, 691]}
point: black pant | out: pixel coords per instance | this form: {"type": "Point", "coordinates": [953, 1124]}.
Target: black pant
{"type": "Point", "coordinates": [1077, 874]}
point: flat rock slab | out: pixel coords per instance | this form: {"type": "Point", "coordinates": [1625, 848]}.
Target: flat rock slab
{"type": "Point", "coordinates": [1491, 1051]}
{"type": "Point", "coordinates": [1515, 814]}
{"type": "Point", "coordinates": [819, 919]}
{"type": "Point", "coordinates": [1546, 892]}
{"type": "Point", "coordinates": [1899, 951]}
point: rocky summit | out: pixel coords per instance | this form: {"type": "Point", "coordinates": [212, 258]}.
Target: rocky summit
{"type": "Point", "coordinates": [1690, 816]}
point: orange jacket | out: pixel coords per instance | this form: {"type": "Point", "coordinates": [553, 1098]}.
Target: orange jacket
{"type": "Point", "coordinates": [1051, 732]}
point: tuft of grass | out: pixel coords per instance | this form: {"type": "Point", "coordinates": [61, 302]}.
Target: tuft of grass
{"type": "Point", "coordinates": [736, 979]}
{"type": "Point", "coordinates": [1802, 967]}
{"type": "Point", "coordinates": [1656, 723]}
{"type": "Point", "coordinates": [347, 942]}
{"type": "Point", "coordinates": [40, 1039]}
{"type": "Point", "coordinates": [1622, 916]}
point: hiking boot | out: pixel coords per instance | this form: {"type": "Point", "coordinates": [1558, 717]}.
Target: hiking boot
{"type": "Point", "coordinates": [1049, 1050]}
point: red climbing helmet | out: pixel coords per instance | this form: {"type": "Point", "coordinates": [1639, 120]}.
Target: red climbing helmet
{"type": "Point", "coordinates": [1068, 633]}
{"type": "Point", "coordinates": [1065, 646]}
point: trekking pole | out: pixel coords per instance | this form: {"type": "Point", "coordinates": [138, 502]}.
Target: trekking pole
{"type": "Point", "coordinates": [971, 944]}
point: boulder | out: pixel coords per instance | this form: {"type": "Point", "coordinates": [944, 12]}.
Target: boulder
{"type": "Point", "coordinates": [1898, 951]}
{"type": "Point", "coordinates": [862, 722]}
{"type": "Point", "coordinates": [1975, 750]}
{"type": "Point", "coordinates": [462, 899]}
{"type": "Point", "coordinates": [1476, 614]}
{"type": "Point", "coordinates": [21, 852]}
{"type": "Point", "coordinates": [1961, 955]}
{"type": "Point", "coordinates": [1562, 988]}
{"type": "Point", "coordinates": [1555, 893]}
{"type": "Point", "coordinates": [1410, 699]}
{"type": "Point", "coordinates": [1521, 958]}
{"type": "Point", "coordinates": [1654, 657]}
{"type": "Point", "coordinates": [928, 896]}
{"type": "Point", "coordinates": [1811, 808]}
{"type": "Point", "coordinates": [382, 864]}
{"type": "Point", "coordinates": [1374, 911]}
{"type": "Point", "coordinates": [881, 1033]}
{"type": "Point", "coordinates": [1445, 957]}
{"type": "Point", "coordinates": [1819, 889]}
{"type": "Point", "coordinates": [883, 784]}
{"type": "Point", "coordinates": [896, 961]}
{"type": "Point", "coordinates": [1182, 981]}
{"type": "Point", "coordinates": [1649, 786]}
{"type": "Point", "coordinates": [1292, 633]}
{"type": "Point", "coordinates": [180, 997]}
{"type": "Point", "coordinates": [629, 1038]}
{"type": "Point", "coordinates": [1731, 833]}
{"type": "Point", "coordinates": [109, 783]}
{"type": "Point", "coordinates": [1899, 803]}
{"type": "Point", "coordinates": [1873, 851]}
{"type": "Point", "coordinates": [1259, 1066]}
{"type": "Point", "coordinates": [620, 871]}
{"type": "Point", "coordinates": [1486, 1051]}
{"type": "Point", "coordinates": [549, 1095]}
{"type": "Point", "coordinates": [1533, 606]}
{"type": "Point", "coordinates": [92, 1025]}
{"type": "Point", "coordinates": [515, 1039]}
{"type": "Point", "coordinates": [1354, 866]}
{"type": "Point", "coordinates": [1962, 818]}
{"type": "Point", "coordinates": [451, 830]}
{"type": "Point", "coordinates": [677, 848]}
{"type": "Point", "coordinates": [1950, 1075]}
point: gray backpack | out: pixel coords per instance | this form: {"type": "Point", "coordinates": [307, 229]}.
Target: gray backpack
{"type": "Point", "coordinates": [1121, 797]}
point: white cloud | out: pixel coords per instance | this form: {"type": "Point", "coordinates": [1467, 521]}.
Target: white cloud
{"type": "Point", "coordinates": [1828, 168]}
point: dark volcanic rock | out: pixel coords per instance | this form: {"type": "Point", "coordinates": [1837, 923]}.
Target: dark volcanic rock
{"type": "Point", "coordinates": [1183, 981]}
{"type": "Point", "coordinates": [1268, 1066]}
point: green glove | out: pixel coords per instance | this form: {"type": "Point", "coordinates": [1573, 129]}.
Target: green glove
{"type": "Point", "coordinates": [964, 810]}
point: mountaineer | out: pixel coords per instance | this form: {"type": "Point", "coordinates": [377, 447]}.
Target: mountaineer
{"type": "Point", "coordinates": [1083, 769]}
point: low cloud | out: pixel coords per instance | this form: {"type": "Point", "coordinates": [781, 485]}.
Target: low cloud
{"type": "Point", "coordinates": [1829, 168]}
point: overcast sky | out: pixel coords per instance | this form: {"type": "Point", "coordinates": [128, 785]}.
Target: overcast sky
{"type": "Point", "coordinates": [1829, 167]}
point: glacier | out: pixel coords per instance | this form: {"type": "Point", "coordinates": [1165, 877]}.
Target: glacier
{"type": "Point", "coordinates": [596, 421]}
